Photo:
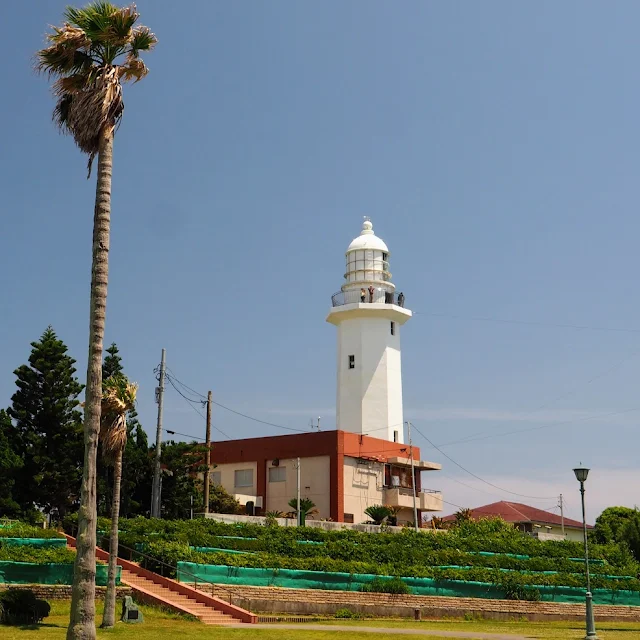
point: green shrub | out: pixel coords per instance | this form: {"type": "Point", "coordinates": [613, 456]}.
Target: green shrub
{"type": "Point", "coordinates": [386, 585]}
{"type": "Point", "coordinates": [513, 590]}
{"type": "Point", "coordinates": [24, 530]}
{"type": "Point", "coordinates": [347, 614]}
{"type": "Point", "coordinates": [20, 606]}
{"type": "Point", "coordinates": [37, 555]}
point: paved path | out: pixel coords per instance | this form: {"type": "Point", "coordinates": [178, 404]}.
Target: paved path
{"type": "Point", "coordinates": [477, 635]}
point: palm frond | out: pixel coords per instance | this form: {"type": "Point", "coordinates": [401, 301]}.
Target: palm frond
{"type": "Point", "coordinates": [142, 40]}
{"type": "Point", "coordinates": [118, 398]}
{"type": "Point", "coordinates": [68, 53]}
{"type": "Point", "coordinates": [133, 69]}
{"type": "Point", "coordinates": [92, 19]}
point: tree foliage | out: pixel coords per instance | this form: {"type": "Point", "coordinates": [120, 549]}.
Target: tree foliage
{"type": "Point", "coordinates": [48, 428]}
{"type": "Point", "coordinates": [10, 463]}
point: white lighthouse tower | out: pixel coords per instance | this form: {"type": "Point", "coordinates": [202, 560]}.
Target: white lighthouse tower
{"type": "Point", "coordinates": [368, 313]}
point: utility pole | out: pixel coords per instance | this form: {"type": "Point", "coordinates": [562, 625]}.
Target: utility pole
{"type": "Point", "coordinates": [561, 505]}
{"type": "Point", "coordinates": [207, 473]}
{"type": "Point", "coordinates": [156, 490]}
{"type": "Point", "coordinates": [298, 492]}
{"type": "Point", "coordinates": [413, 480]}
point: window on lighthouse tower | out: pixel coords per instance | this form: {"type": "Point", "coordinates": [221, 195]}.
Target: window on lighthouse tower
{"type": "Point", "coordinates": [352, 362]}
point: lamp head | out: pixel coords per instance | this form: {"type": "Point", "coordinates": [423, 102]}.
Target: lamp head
{"type": "Point", "coordinates": [581, 474]}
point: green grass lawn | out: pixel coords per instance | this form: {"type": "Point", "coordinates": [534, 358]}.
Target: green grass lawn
{"type": "Point", "coordinates": [159, 624]}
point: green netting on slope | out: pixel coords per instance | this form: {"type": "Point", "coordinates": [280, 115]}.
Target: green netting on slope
{"type": "Point", "coordinates": [42, 543]}
{"type": "Point", "coordinates": [218, 550]}
{"type": "Point", "coordinates": [532, 572]}
{"type": "Point", "coordinates": [31, 573]}
{"type": "Point", "coordinates": [524, 557]}
{"type": "Point", "coordinates": [295, 579]}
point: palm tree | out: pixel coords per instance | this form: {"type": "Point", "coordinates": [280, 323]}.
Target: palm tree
{"type": "Point", "coordinates": [307, 508]}
{"type": "Point", "coordinates": [377, 513]}
{"type": "Point", "coordinates": [118, 398]}
{"type": "Point", "coordinates": [95, 50]}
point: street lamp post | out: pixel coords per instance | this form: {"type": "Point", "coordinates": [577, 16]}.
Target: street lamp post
{"type": "Point", "coordinates": [581, 477]}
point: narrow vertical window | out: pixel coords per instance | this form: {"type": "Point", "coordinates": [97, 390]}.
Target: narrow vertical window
{"type": "Point", "coordinates": [395, 436]}
{"type": "Point", "coordinates": [393, 328]}
{"type": "Point", "coordinates": [352, 362]}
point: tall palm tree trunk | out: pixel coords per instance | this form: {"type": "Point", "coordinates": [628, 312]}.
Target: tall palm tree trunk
{"type": "Point", "coordinates": [109, 616]}
{"type": "Point", "coordinates": [82, 624]}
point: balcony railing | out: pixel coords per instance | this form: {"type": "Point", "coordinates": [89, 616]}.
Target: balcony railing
{"type": "Point", "coordinates": [426, 499]}
{"type": "Point", "coordinates": [379, 296]}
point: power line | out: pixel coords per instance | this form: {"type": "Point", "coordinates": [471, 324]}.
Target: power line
{"type": "Point", "coordinates": [182, 384]}
{"type": "Point", "coordinates": [495, 486]}
{"type": "Point", "coordinates": [270, 424]}
{"type": "Point", "coordinates": [186, 435]}
{"type": "Point", "coordinates": [192, 403]}
{"type": "Point", "coordinates": [544, 426]}
{"type": "Point", "coordinates": [172, 378]}
{"type": "Point", "coordinates": [555, 325]}
{"type": "Point", "coordinates": [552, 401]}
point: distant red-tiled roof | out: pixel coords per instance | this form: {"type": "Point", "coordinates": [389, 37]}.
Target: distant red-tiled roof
{"type": "Point", "coordinates": [517, 512]}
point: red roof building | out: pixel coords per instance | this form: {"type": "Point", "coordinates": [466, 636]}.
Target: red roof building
{"type": "Point", "coordinates": [528, 519]}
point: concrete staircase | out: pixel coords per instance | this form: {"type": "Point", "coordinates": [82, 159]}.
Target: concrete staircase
{"type": "Point", "coordinates": [155, 589]}
{"type": "Point", "coordinates": [152, 593]}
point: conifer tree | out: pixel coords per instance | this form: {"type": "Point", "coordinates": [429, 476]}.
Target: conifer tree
{"type": "Point", "coordinates": [48, 428]}
{"type": "Point", "coordinates": [112, 362]}
{"type": "Point", "coordinates": [10, 463]}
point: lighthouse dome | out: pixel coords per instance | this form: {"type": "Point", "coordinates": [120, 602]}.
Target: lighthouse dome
{"type": "Point", "coordinates": [368, 239]}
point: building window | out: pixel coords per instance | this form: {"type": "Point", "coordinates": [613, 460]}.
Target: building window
{"type": "Point", "coordinates": [395, 436]}
{"type": "Point", "coordinates": [277, 474]}
{"type": "Point", "coordinates": [348, 517]}
{"type": "Point", "coordinates": [243, 478]}
{"type": "Point", "coordinates": [393, 328]}
{"type": "Point", "coordinates": [352, 362]}
{"type": "Point", "coordinates": [215, 477]}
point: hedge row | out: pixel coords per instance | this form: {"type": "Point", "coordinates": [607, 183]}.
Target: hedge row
{"type": "Point", "coordinates": [23, 530]}
{"type": "Point", "coordinates": [173, 552]}
{"type": "Point", "coordinates": [460, 546]}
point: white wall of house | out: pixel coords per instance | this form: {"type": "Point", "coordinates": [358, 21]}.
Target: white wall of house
{"type": "Point", "coordinates": [237, 478]}
{"type": "Point", "coordinates": [314, 484]}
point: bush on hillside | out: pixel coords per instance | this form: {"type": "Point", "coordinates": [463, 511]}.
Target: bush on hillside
{"type": "Point", "coordinates": [36, 555]}
{"type": "Point", "coordinates": [24, 530]}
{"type": "Point", "coordinates": [382, 585]}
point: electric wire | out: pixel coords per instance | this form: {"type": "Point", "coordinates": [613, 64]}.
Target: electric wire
{"type": "Point", "coordinates": [554, 325]}
{"type": "Point", "coordinates": [548, 403]}
{"type": "Point", "coordinates": [270, 424]}
{"type": "Point", "coordinates": [172, 378]}
{"type": "Point", "coordinates": [192, 403]}
{"type": "Point", "coordinates": [544, 426]}
{"type": "Point", "coordinates": [495, 486]}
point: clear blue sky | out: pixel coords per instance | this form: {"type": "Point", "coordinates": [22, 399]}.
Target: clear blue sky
{"type": "Point", "coordinates": [495, 146]}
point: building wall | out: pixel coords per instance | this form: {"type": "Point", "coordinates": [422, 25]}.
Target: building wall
{"type": "Point", "coordinates": [572, 534]}
{"type": "Point", "coordinates": [314, 484]}
{"type": "Point", "coordinates": [369, 398]}
{"type": "Point", "coordinates": [364, 487]}
{"type": "Point", "coordinates": [227, 479]}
